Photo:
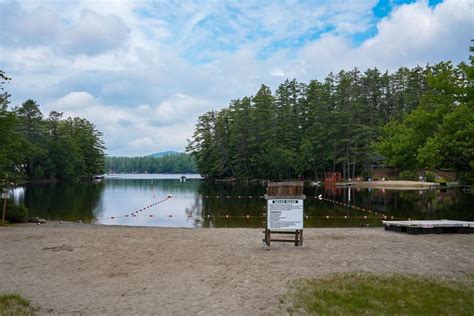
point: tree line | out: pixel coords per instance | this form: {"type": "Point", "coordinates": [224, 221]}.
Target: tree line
{"type": "Point", "coordinates": [413, 118]}
{"type": "Point", "coordinates": [34, 147]}
{"type": "Point", "coordinates": [176, 163]}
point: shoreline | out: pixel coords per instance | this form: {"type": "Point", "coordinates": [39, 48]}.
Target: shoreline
{"type": "Point", "coordinates": [391, 184]}
{"type": "Point", "coordinates": [97, 269]}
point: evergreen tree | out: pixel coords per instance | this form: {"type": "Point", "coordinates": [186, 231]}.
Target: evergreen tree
{"type": "Point", "coordinates": [35, 148]}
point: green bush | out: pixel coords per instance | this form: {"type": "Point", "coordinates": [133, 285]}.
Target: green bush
{"type": "Point", "coordinates": [466, 177]}
{"type": "Point", "coordinates": [408, 175]}
{"type": "Point", "coordinates": [366, 174]}
{"type": "Point", "coordinates": [16, 213]}
{"type": "Point", "coordinates": [430, 176]}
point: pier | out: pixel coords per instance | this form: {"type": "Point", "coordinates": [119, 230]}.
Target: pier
{"type": "Point", "coordinates": [430, 227]}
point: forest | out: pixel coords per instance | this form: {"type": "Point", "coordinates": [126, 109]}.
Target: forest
{"type": "Point", "coordinates": [38, 148]}
{"type": "Point", "coordinates": [175, 163]}
{"type": "Point", "coordinates": [352, 121]}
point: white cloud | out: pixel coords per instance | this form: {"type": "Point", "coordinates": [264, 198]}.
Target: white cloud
{"type": "Point", "coordinates": [75, 101]}
{"type": "Point", "coordinates": [413, 34]}
{"type": "Point", "coordinates": [88, 34]}
{"type": "Point", "coordinates": [329, 53]}
{"type": "Point", "coordinates": [418, 34]}
{"type": "Point", "coordinates": [93, 34]}
{"type": "Point", "coordinates": [139, 143]}
{"type": "Point", "coordinates": [178, 108]}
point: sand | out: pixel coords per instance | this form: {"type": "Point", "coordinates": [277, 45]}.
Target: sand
{"type": "Point", "coordinates": [393, 184]}
{"type": "Point", "coordinates": [89, 269]}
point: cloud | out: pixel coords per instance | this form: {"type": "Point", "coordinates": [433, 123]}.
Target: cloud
{"type": "Point", "coordinates": [19, 27]}
{"type": "Point", "coordinates": [89, 34]}
{"type": "Point", "coordinates": [418, 33]}
{"type": "Point", "coordinates": [75, 100]}
{"type": "Point", "coordinates": [139, 143]}
{"type": "Point", "coordinates": [93, 34]}
{"type": "Point", "coordinates": [177, 109]}
{"type": "Point", "coordinates": [413, 34]}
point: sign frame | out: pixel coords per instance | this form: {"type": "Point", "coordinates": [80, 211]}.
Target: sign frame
{"type": "Point", "coordinates": [285, 214]}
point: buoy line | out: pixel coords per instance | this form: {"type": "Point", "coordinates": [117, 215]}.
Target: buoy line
{"type": "Point", "coordinates": [321, 198]}
{"type": "Point", "coordinates": [135, 213]}
{"type": "Point", "coordinates": [233, 196]}
{"type": "Point", "coordinates": [169, 215]}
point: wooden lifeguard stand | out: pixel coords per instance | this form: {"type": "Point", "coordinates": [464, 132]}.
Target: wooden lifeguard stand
{"type": "Point", "coordinates": [284, 211]}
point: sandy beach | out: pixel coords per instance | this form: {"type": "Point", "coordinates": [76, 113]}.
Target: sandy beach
{"type": "Point", "coordinates": [88, 269]}
{"type": "Point", "coordinates": [393, 184]}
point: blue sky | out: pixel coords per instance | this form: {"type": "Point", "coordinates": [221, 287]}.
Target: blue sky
{"type": "Point", "coordinates": [143, 71]}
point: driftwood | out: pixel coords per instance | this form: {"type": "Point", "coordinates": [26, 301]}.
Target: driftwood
{"type": "Point", "coordinates": [36, 220]}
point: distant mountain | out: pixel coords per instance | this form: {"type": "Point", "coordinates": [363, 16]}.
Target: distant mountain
{"type": "Point", "coordinates": [164, 153]}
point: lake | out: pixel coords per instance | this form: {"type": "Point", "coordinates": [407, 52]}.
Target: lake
{"type": "Point", "coordinates": [164, 201]}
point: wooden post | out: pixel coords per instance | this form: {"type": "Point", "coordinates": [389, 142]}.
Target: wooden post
{"type": "Point", "coordinates": [267, 236]}
{"type": "Point", "coordinates": [4, 208]}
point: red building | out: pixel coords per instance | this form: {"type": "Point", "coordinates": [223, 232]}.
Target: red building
{"type": "Point", "coordinates": [332, 177]}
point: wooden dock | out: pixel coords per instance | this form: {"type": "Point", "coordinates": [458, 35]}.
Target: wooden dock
{"type": "Point", "coordinates": [430, 227]}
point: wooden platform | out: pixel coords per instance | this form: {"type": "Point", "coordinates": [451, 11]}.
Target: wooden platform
{"type": "Point", "coordinates": [298, 240]}
{"type": "Point", "coordinates": [285, 189]}
{"type": "Point", "coordinates": [430, 227]}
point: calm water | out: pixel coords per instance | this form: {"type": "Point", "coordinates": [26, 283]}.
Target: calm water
{"type": "Point", "coordinates": [196, 203]}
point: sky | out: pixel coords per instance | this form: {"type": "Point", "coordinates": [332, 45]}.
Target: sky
{"type": "Point", "coordinates": [143, 71]}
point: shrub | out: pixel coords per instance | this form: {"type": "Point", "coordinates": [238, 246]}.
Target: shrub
{"type": "Point", "coordinates": [16, 213]}
{"type": "Point", "coordinates": [366, 174]}
{"type": "Point", "coordinates": [466, 177]}
{"type": "Point", "coordinates": [14, 304]}
{"type": "Point", "coordinates": [408, 175]}
{"type": "Point", "coordinates": [430, 176]}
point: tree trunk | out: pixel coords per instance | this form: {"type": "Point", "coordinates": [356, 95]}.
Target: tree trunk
{"type": "Point", "coordinates": [353, 168]}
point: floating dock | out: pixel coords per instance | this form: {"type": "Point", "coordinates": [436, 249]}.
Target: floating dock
{"type": "Point", "coordinates": [430, 227]}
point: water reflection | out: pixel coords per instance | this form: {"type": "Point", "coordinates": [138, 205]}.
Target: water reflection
{"type": "Point", "coordinates": [62, 201]}
{"type": "Point", "coordinates": [197, 203]}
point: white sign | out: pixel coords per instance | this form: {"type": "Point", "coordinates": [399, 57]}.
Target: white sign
{"type": "Point", "coordinates": [285, 214]}
{"type": "Point", "coordinates": [5, 195]}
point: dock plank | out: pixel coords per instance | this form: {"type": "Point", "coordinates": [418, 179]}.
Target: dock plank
{"type": "Point", "coordinates": [430, 226]}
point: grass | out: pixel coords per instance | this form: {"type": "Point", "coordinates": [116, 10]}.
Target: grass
{"type": "Point", "coordinates": [376, 294]}
{"type": "Point", "coordinates": [14, 304]}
